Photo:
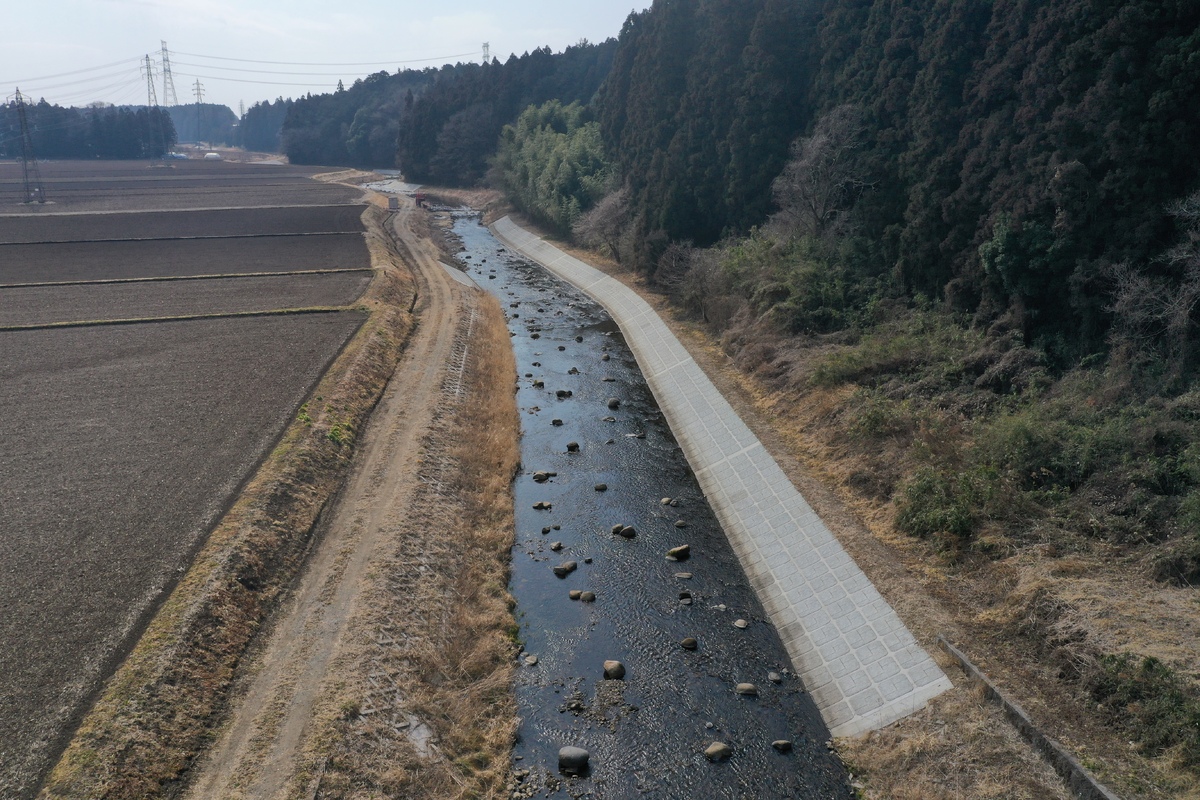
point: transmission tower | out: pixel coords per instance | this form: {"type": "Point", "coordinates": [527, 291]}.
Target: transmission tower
{"type": "Point", "coordinates": [154, 113]}
{"type": "Point", "coordinates": [35, 192]}
{"type": "Point", "coordinates": [487, 49]}
{"type": "Point", "coordinates": [198, 91]}
{"type": "Point", "coordinates": [169, 98]}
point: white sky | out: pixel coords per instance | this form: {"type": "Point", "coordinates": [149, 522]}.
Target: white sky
{"type": "Point", "coordinates": [44, 38]}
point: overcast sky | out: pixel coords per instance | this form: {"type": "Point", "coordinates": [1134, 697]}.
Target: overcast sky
{"type": "Point", "coordinates": [100, 42]}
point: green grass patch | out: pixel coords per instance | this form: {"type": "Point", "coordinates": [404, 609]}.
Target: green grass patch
{"type": "Point", "coordinates": [1160, 709]}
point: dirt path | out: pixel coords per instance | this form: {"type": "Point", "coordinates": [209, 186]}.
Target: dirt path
{"type": "Point", "coordinates": [258, 753]}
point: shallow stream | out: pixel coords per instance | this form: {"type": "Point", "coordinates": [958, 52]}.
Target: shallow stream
{"type": "Point", "coordinates": [646, 734]}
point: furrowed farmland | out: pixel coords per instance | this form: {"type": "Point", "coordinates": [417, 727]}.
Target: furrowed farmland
{"type": "Point", "coordinates": [235, 287]}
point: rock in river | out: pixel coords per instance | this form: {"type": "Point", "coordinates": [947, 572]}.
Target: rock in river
{"type": "Point", "coordinates": [746, 689]}
{"type": "Point", "coordinates": [565, 569]}
{"type": "Point", "coordinates": [782, 745]}
{"type": "Point", "coordinates": [614, 670]}
{"type": "Point", "coordinates": [689, 644]}
{"type": "Point", "coordinates": [601, 487]}
{"type": "Point", "coordinates": [625, 531]}
{"type": "Point", "coordinates": [573, 760]}
{"type": "Point", "coordinates": [542, 505]}
{"type": "Point", "coordinates": [680, 553]}
{"type": "Point", "coordinates": [614, 402]}
{"type": "Point", "coordinates": [717, 751]}
{"type": "Point", "coordinates": [572, 447]}
{"type": "Point", "coordinates": [741, 623]}
{"type": "Point", "coordinates": [587, 597]}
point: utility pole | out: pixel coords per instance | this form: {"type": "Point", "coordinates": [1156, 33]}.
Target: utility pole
{"type": "Point", "coordinates": [35, 192]}
{"type": "Point", "coordinates": [153, 114]}
{"type": "Point", "coordinates": [169, 98]}
{"type": "Point", "coordinates": [198, 91]}
{"type": "Point", "coordinates": [487, 49]}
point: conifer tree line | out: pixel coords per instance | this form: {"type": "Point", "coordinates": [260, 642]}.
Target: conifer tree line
{"type": "Point", "coordinates": [1008, 158]}
{"type": "Point", "coordinates": [1002, 156]}
{"type": "Point", "coordinates": [117, 132]}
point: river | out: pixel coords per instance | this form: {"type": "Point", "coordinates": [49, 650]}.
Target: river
{"type": "Point", "coordinates": [646, 733]}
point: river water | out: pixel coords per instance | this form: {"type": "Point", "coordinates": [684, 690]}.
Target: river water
{"type": "Point", "coordinates": [647, 733]}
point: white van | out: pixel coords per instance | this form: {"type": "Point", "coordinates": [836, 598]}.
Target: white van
{"type": "Point", "coordinates": [212, 156]}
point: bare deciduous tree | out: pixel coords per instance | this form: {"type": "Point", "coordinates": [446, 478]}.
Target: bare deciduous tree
{"type": "Point", "coordinates": [822, 177]}
{"type": "Point", "coordinates": [605, 224]}
{"type": "Point", "coordinates": [1151, 311]}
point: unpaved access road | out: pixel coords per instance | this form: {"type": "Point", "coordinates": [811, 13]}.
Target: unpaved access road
{"type": "Point", "coordinates": [259, 751]}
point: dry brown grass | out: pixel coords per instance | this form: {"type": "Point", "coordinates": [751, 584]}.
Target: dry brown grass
{"type": "Point", "coordinates": [484, 200]}
{"type": "Point", "coordinates": [437, 629]}
{"type": "Point", "coordinates": [950, 751]}
{"type": "Point", "coordinates": [156, 713]}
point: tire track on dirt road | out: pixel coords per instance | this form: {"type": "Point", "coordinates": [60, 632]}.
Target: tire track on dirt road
{"type": "Point", "coordinates": [258, 752]}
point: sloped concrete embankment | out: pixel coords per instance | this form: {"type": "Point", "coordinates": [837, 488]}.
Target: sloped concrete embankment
{"type": "Point", "coordinates": [859, 661]}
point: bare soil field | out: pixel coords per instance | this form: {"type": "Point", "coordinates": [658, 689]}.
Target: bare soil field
{"type": "Point", "coordinates": [125, 444]}
{"type": "Point", "coordinates": [122, 446]}
{"type": "Point", "coordinates": [181, 224]}
{"type": "Point", "coordinates": [110, 186]}
{"type": "Point", "coordinates": [161, 258]}
{"type": "Point", "coordinates": [44, 305]}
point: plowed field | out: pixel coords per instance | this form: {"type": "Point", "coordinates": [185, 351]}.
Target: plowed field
{"type": "Point", "coordinates": [58, 227]}
{"type": "Point", "coordinates": [122, 445]}
{"type": "Point", "coordinates": [108, 186]}
{"type": "Point", "coordinates": [44, 305]}
{"type": "Point", "coordinates": [159, 258]}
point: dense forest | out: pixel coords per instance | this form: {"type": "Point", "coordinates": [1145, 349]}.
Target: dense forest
{"type": "Point", "coordinates": [355, 126]}
{"type": "Point", "coordinates": [1054, 134]}
{"type": "Point", "coordinates": [452, 128]}
{"type": "Point", "coordinates": [210, 123]}
{"type": "Point", "coordinates": [261, 127]}
{"type": "Point", "coordinates": [100, 132]}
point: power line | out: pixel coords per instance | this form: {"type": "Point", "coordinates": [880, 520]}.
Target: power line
{"type": "Point", "coordinates": [244, 80]}
{"type": "Point", "coordinates": [261, 71]}
{"type": "Point", "coordinates": [95, 78]}
{"type": "Point", "coordinates": [74, 72]}
{"type": "Point", "coordinates": [327, 63]}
